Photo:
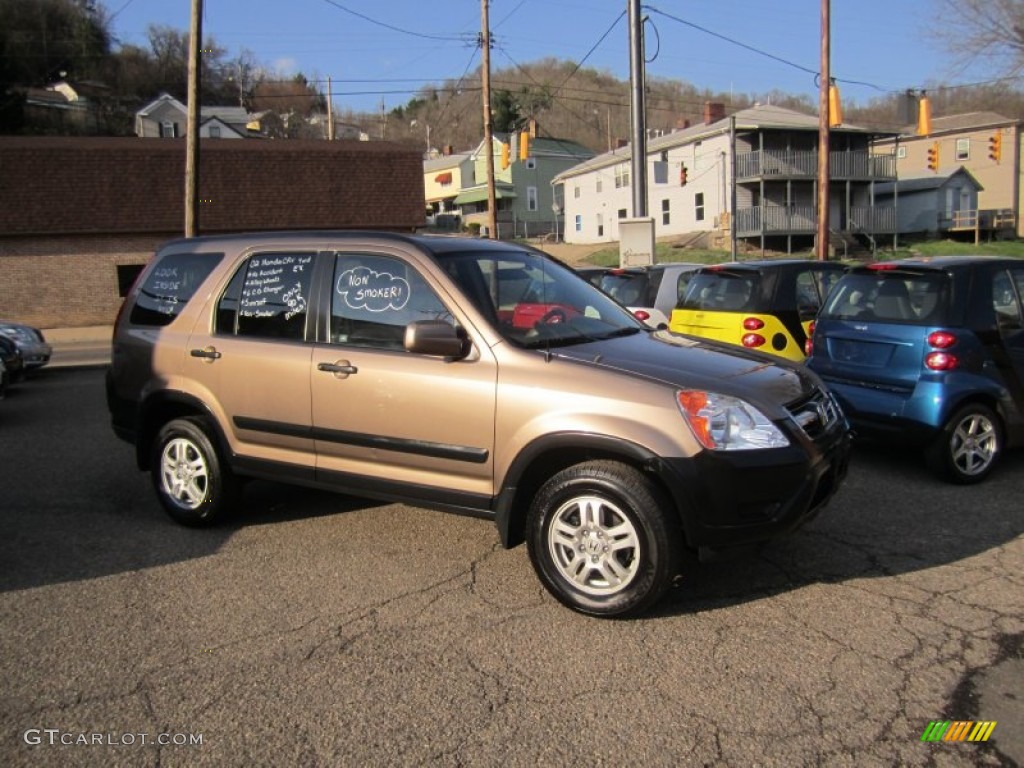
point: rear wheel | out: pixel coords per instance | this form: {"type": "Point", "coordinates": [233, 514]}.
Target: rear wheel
{"type": "Point", "coordinates": [603, 539]}
{"type": "Point", "coordinates": [969, 445]}
{"type": "Point", "coordinates": [190, 479]}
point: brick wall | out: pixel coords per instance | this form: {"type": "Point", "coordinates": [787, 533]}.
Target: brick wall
{"type": "Point", "coordinates": [73, 209]}
{"type": "Point", "coordinates": [57, 282]}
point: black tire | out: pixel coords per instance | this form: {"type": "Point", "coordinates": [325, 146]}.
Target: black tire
{"type": "Point", "coordinates": [968, 447]}
{"type": "Point", "coordinates": [191, 481]}
{"type": "Point", "coordinates": [604, 539]}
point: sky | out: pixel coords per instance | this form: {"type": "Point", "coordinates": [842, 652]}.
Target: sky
{"type": "Point", "coordinates": [382, 52]}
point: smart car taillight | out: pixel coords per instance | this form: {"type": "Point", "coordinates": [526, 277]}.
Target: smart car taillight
{"type": "Point", "coordinates": [753, 324]}
{"type": "Point", "coordinates": [941, 361]}
{"type": "Point", "coordinates": [809, 342]}
{"type": "Point", "coordinates": [752, 340]}
{"type": "Point", "coordinates": [642, 315]}
{"type": "Point", "coordinates": [941, 339]}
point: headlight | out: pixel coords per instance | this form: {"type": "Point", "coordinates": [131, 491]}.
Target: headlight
{"type": "Point", "coordinates": [723, 423]}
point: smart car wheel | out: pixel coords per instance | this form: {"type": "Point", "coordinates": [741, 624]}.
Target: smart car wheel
{"type": "Point", "coordinates": [191, 482]}
{"type": "Point", "coordinates": [603, 540]}
{"type": "Point", "coordinates": [969, 445]}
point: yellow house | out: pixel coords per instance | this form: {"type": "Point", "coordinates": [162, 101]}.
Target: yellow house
{"type": "Point", "coordinates": [443, 178]}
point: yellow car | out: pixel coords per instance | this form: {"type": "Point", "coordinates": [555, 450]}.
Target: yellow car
{"type": "Point", "coordinates": [766, 305]}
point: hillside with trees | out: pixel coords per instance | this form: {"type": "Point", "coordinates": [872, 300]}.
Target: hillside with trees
{"type": "Point", "coordinates": [44, 41]}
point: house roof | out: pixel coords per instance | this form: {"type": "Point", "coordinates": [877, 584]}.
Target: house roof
{"type": "Point", "coordinates": [921, 182]}
{"type": "Point", "coordinates": [968, 121]}
{"type": "Point", "coordinates": [445, 162]}
{"type": "Point", "coordinates": [74, 185]}
{"type": "Point", "coordinates": [760, 117]}
{"type": "Point", "coordinates": [546, 147]}
{"type": "Point", "coordinates": [227, 114]}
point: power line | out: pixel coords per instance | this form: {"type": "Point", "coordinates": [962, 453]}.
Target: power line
{"type": "Point", "coordinates": [462, 38]}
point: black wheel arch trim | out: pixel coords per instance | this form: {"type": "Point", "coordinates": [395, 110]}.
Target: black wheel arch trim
{"type": "Point", "coordinates": [510, 517]}
{"type": "Point", "coordinates": [147, 428]}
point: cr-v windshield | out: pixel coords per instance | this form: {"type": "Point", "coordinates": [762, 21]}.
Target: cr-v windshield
{"type": "Point", "coordinates": [536, 302]}
{"type": "Point", "coordinates": [919, 298]}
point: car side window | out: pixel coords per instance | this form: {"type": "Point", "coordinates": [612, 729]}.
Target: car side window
{"type": "Point", "coordinates": [1006, 299]}
{"type": "Point", "coordinates": [267, 298]}
{"type": "Point", "coordinates": [808, 294]}
{"type": "Point", "coordinates": [374, 297]}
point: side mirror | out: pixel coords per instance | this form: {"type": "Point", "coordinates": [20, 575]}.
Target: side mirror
{"type": "Point", "coordinates": [436, 337]}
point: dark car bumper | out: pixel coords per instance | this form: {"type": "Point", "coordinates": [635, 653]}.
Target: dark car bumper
{"type": "Point", "coordinates": [737, 499]}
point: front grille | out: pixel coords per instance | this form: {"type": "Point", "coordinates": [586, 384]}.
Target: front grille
{"type": "Point", "coordinates": [815, 414]}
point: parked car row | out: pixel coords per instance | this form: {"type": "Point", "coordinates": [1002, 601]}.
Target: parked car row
{"type": "Point", "coordinates": [929, 352]}
{"type": "Point", "coordinates": [22, 349]}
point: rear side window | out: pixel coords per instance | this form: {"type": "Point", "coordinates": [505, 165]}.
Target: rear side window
{"type": "Point", "coordinates": [891, 297]}
{"type": "Point", "coordinates": [268, 297]}
{"type": "Point", "coordinates": [170, 285]}
{"type": "Point", "coordinates": [627, 288]}
{"type": "Point", "coordinates": [721, 291]}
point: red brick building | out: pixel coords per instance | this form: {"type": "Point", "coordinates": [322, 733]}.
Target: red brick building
{"type": "Point", "coordinates": [79, 216]}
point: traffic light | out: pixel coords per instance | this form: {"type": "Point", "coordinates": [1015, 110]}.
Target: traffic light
{"type": "Point", "coordinates": [504, 155]}
{"type": "Point", "coordinates": [682, 175]}
{"type": "Point", "coordinates": [924, 116]}
{"type": "Point", "coordinates": [933, 156]}
{"type": "Point", "coordinates": [995, 146]}
{"type": "Point", "coordinates": [524, 145]}
{"type": "Point", "coordinates": [835, 107]}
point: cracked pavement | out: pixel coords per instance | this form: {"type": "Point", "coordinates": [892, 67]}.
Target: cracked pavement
{"type": "Point", "coordinates": [327, 630]}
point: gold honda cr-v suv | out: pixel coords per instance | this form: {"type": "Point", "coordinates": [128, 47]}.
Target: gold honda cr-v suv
{"type": "Point", "coordinates": [472, 376]}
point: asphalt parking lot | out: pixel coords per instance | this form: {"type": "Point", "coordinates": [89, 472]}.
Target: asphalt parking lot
{"type": "Point", "coordinates": [327, 630]}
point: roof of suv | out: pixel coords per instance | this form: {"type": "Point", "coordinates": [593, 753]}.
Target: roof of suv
{"type": "Point", "coordinates": [433, 243]}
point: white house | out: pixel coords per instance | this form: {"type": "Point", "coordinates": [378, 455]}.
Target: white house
{"type": "Point", "coordinates": [760, 164]}
{"type": "Point", "coordinates": [165, 117]}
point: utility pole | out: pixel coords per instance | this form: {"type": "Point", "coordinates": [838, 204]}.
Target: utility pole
{"type": "Point", "coordinates": [485, 41]}
{"type": "Point", "coordinates": [330, 111]}
{"type": "Point", "coordinates": [192, 129]}
{"type": "Point", "coordinates": [638, 109]}
{"type": "Point", "coordinates": [823, 136]}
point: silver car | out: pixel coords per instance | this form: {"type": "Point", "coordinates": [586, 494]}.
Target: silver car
{"type": "Point", "coordinates": [650, 292]}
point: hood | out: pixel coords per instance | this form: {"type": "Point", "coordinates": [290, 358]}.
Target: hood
{"type": "Point", "coordinates": [687, 362]}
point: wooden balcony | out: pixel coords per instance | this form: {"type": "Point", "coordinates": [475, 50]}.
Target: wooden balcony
{"type": "Point", "coordinates": [802, 220]}
{"type": "Point", "coordinates": [802, 165]}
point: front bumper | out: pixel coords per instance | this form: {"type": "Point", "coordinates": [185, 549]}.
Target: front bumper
{"type": "Point", "coordinates": [736, 499]}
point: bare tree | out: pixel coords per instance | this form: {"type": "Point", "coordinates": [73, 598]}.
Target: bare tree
{"type": "Point", "coordinates": [989, 33]}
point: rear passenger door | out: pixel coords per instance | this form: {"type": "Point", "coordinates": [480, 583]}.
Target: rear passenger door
{"type": "Point", "coordinates": [254, 363]}
{"type": "Point", "coordinates": [419, 425]}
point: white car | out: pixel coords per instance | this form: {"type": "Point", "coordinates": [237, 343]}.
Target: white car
{"type": "Point", "coordinates": [650, 292]}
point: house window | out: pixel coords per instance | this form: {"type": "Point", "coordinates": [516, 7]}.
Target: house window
{"type": "Point", "coordinates": [598, 185]}
{"type": "Point", "coordinates": [664, 155]}
{"type": "Point", "coordinates": [600, 225]}
{"type": "Point", "coordinates": [531, 198]}
{"type": "Point", "coordinates": [531, 163]}
{"type": "Point", "coordinates": [963, 149]}
{"type": "Point", "coordinates": [576, 192]}
{"type": "Point", "coordinates": [901, 152]}
{"type": "Point", "coordinates": [579, 223]}
{"type": "Point", "coordinates": [214, 131]}
{"type": "Point", "coordinates": [665, 214]}
{"type": "Point", "coordinates": [168, 130]}
{"type": "Point", "coordinates": [698, 206]}
{"type": "Point", "coordinates": [660, 172]}
{"type": "Point", "coordinates": [622, 213]}
{"type": "Point", "coordinates": [621, 176]}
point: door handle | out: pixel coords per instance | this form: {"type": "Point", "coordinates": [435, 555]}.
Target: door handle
{"type": "Point", "coordinates": [340, 369]}
{"type": "Point", "coordinates": [209, 353]}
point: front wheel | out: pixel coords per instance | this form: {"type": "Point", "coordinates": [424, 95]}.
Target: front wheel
{"type": "Point", "coordinates": [603, 539]}
{"type": "Point", "coordinates": [969, 445]}
{"type": "Point", "coordinates": [190, 479]}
